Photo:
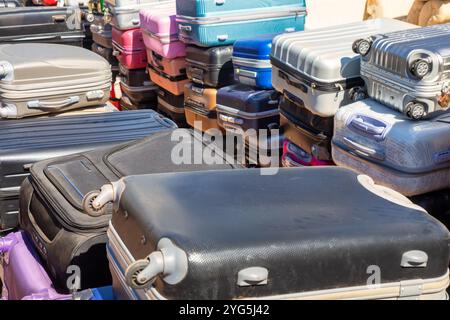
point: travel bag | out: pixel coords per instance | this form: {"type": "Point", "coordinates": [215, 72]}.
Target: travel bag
{"type": "Point", "coordinates": [200, 107]}
{"type": "Point", "coordinates": [251, 61]}
{"type": "Point", "coordinates": [56, 202]}
{"type": "Point", "coordinates": [160, 32]}
{"type": "Point", "coordinates": [319, 66]}
{"type": "Point", "coordinates": [172, 106]}
{"type": "Point", "coordinates": [40, 24]}
{"type": "Point", "coordinates": [411, 157]}
{"type": "Point", "coordinates": [31, 140]}
{"type": "Point", "coordinates": [173, 84]}
{"type": "Point", "coordinates": [308, 131]}
{"type": "Point", "coordinates": [294, 156]}
{"type": "Point", "coordinates": [171, 67]}
{"type": "Point", "coordinates": [211, 67]}
{"type": "Point", "coordinates": [137, 86]}
{"type": "Point", "coordinates": [129, 48]}
{"type": "Point", "coordinates": [216, 23]}
{"type": "Point", "coordinates": [60, 78]}
{"type": "Point", "coordinates": [253, 245]}
{"type": "Point", "coordinates": [407, 70]}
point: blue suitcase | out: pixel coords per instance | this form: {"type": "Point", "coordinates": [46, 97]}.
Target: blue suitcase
{"type": "Point", "coordinates": [209, 23]}
{"type": "Point", "coordinates": [251, 60]}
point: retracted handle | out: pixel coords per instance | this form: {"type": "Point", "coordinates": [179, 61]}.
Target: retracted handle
{"type": "Point", "coordinates": [37, 104]}
{"type": "Point", "coordinates": [368, 126]}
{"type": "Point", "coordinates": [363, 150]}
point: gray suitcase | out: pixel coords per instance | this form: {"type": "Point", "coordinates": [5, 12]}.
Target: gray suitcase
{"type": "Point", "coordinates": [411, 157]}
{"type": "Point", "coordinates": [38, 78]}
{"type": "Point", "coordinates": [319, 66]}
{"type": "Point", "coordinates": [408, 70]}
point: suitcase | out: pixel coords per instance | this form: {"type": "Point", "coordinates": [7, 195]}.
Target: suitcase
{"type": "Point", "coordinates": [320, 67]}
{"type": "Point", "coordinates": [42, 24]}
{"type": "Point", "coordinates": [251, 61]}
{"type": "Point", "coordinates": [127, 104]}
{"type": "Point", "coordinates": [106, 53]}
{"type": "Point", "coordinates": [406, 70]}
{"type": "Point", "coordinates": [437, 204]}
{"type": "Point", "coordinates": [102, 34]}
{"type": "Point", "coordinates": [129, 48]}
{"type": "Point", "coordinates": [200, 107]}
{"type": "Point", "coordinates": [56, 202]}
{"type": "Point", "coordinates": [160, 32]}
{"type": "Point", "coordinates": [308, 131]}
{"type": "Point", "coordinates": [211, 67]}
{"type": "Point", "coordinates": [33, 84]}
{"type": "Point", "coordinates": [10, 3]}
{"type": "Point", "coordinates": [294, 156]}
{"type": "Point", "coordinates": [172, 67]}
{"type": "Point", "coordinates": [172, 106]}
{"type": "Point", "coordinates": [173, 84]}
{"type": "Point", "coordinates": [208, 23]}
{"type": "Point", "coordinates": [30, 140]}
{"type": "Point", "coordinates": [264, 152]}
{"type": "Point", "coordinates": [408, 156]}
{"type": "Point", "coordinates": [107, 107]}
{"type": "Point", "coordinates": [253, 244]}
{"type": "Point", "coordinates": [125, 13]}
{"type": "Point", "coordinates": [242, 109]}
{"type": "Point", "coordinates": [137, 86]}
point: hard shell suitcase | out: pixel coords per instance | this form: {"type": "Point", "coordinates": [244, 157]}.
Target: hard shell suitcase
{"type": "Point", "coordinates": [251, 61]}
{"type": "Point", "coordinates": [210, 23]}
{"type": "Point", "coordinates": [294, 156]}
{"type": "Point", "coordinates": [319, 66]}
{"type": "Point", "coordinates": [11, 3]}
{"type": "Point", "coordinates": [40, 24]}
{"type": "Point", "coordinates": [211, 67]}
{"type": "Point", "coordinates": [160, 32]}
{"type": "Point", "coordinates": [56, 202]}
{"type": "Point", "coordinates": [200, 107]}
{"type": "Point", "coordinates": [245, 247]}
{"type": "Point", "coordinates": [127, 104]}
{"type": "Point", "coordinates": [407, 70]}
{"type": "Point", "coordinates": [125, 13]}
{"type": "Point", "coordinates": [171, 67]}
{"type": "Point", "coordinates": [174, 85]}
{"type": "Point", "coordinates": [102, 35]}
{"type": "Point", "coordinates": [172, 106]}
{"type": "Point", "coordinates": [308, 131]}
{"type": "Point", "coordinates": [106, 53]}
{"type": "Point", "coordinates": [59, 78]}
{"type": "Point", "coordinates": [408, 156]}
{"type": "Point", "coordinates": [31, 140]}
{"type": "Point", "coordinates": [437, 204]}
{"type": "Point", "coordinates": [129, 48]}
{"type": "Point", "coordinates": [241, 108]}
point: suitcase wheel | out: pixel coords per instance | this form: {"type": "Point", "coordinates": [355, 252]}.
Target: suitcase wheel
{"type": "Point", "coordinates": [90, 210]}
{"type": "Point", "coordinates": [416, 110]}
{"type": "Point", "coordinates": [90, 17]}
{"type": "Point", "coordinates": [132, 273]}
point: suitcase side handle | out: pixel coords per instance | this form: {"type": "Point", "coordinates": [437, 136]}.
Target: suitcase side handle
{"type": "Point", "coordinates": [297, 85]}
{"type": "Point", "coordinates": [368, 126]}
{"type": "Point", "coordinates": [363, 150]}
{"type": "Point", "coordinates": [37, 104]}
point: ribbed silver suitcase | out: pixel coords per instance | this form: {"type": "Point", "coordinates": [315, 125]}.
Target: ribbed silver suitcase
{"type": "Point", "coordinates": [37, 78]}
{"type": "Point", "coordinates": [411, 157]}
{"type": "Point", "coordinates": [408, 70]}
{"type": "Point", "coordinates": [319, 66]}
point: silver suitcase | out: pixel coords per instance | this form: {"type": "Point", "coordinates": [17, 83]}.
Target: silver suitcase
{"type": "Point", "coordinates": [411, 157]}
{"type": "Point", "coordinates": [320, 67]}
{"type": "Point", "coordinates": [125, 13]}
{"type": "Point", "coordinates": [408, 70]}
{"type": "Point", "coordinates": [41, 78]}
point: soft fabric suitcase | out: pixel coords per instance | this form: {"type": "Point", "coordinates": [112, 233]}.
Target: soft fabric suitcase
{"type": "Point", "coordinates": [200, 107]}
{"type": "Point", "coordinates": [106, 53]}
{"type": "Point", "coordinates": [171, 67]}
{"type": "Point", "coordinates": [241, 108]}
{"type": "Point", "coordinates": [59, 78]}
{"type": "Point", "coordinates": [173, 84]}
{"type": "Point", "coordinates": [262, 231]}
{"type": "Point", "coordinates": [251, 61]}
{"type": "Point", "coordinates": [310, 132]}
{"type": "Point", "coordinates": [406, 70]}
{"type": "Point", "coordinates": [40, 24]}
{"type": "Point", "coordinates": [137, 86]}
{"type": "Point", "coordinates": [294, 156]}
{"type": "Point", "coordinates": [129, 48]}
{"type": "Point", "coordinates": [208, 23]}
{"type": "Point", "coordinates": [125, 13]}
{"type": "Point", "coordinates": [160, 32]}
{"type": "Point", "coordinates": [172, 106]}
{"type": "Point", "coordinates": [102, 34]}
{"type": "Point", "coordinates": [56, 202]}
{"type": "Point", "coordinates": [320, 67]}
{"type": "Point", "coordinates": [408, 156]}
{"type": "Point", "coordinates": [211, 67]}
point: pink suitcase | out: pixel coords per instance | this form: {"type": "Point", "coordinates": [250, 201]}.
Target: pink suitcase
{"type": "Point", "coordinates": [172, 67]}
{"type": "Point", "coordinates": [129, 48]}
{"type": "Point", "coordinates": [174, 85]}
{"type": "Point", "coordinates": [160, 32]}
{"type": "Point", "coordinates": [294, 156]}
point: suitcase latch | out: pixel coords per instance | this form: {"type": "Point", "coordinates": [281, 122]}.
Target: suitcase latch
{"type": "Point", "coordinates": [253, 276]}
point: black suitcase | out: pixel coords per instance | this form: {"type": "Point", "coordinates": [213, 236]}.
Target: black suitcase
{"type": "Point", "coordinates": [315, 233]}
{"type": "Point", "coordinates": [211, 67]}
{"type": "Point", "coordinates": [136, 84]}
{"type": "Point", "coordinates": [310, 132]}
{"type": "Point", "coordinates": [127, 104]}
{"type": "Point", "coordinates": [437, 204]}
{"type": "Point", "coordinates": [27, 141]}
{"type": "Point", "coordinates": [55, 208]}
{"type": "Point", "coordinates": [172, 106]}
{"type": "Point", "coordinates": [40, 24]}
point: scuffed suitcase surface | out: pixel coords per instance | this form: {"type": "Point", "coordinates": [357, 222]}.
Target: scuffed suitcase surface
{"type": "Point", "coordinates": [172, 106]}
{"type": "Point", "coordinates": [273, 222]}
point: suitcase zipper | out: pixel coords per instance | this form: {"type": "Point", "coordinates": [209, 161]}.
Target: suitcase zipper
{"type": "Point", "coordinates": [248, 115]}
